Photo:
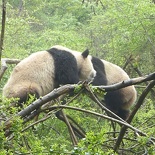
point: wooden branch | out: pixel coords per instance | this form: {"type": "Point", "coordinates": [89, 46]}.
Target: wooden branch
{"type": "Point", "coordinates": [51, 96]}
{"type": "Point", "coordinates": [126, 83]}
{"type": "Point", "coordinates": [10, 61]}
{"type": "Point", "coordinates": [139, 103]}
{"type": "Point", "coordinates": [4, 62]}
{"type": "Point", "coordinates": [3, 26]}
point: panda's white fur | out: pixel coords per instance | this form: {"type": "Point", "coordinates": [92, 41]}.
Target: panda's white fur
{"type": "Point", "coordinates": [31, 74]}
{"type": "Point", "coordinates": [43, 71]}
{"type": "Point", "coordinates": [118, 101]}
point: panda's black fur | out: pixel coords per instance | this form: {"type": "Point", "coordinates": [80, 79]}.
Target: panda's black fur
{"type": "Point", "coordinates": [118, 101]}
{"type": "Point", "coordinates": [66, 70]}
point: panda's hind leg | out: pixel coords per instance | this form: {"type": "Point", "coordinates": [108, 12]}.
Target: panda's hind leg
{"type": "Point", "coordinates": [114, 101]}
{"type": "Point", "coordinates": [124, 114]}
{"type": "Point", "coordinates": [23, 94]}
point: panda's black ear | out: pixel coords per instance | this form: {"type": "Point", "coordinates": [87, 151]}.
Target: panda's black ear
{"type": "Point", "coordinates": [85, 53]}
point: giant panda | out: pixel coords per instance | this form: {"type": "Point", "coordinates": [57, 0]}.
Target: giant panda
{"type": "Point", "coordinates": [41, 72]}
{"type": "Point", "coordinates": [118, 101]}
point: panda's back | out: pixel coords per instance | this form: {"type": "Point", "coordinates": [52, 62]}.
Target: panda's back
{"type": "Point", "coordinates": [31, 67]}
{"type": "Point", "coordinates": [114, 73]}
{"type": "Point", "coordinates": [31, 72]}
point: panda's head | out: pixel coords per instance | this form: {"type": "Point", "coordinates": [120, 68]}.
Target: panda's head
{"type": "Point", "coordinates": [86, 69]}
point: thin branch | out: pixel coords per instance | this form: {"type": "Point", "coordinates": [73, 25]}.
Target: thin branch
{"type": "Point", "coordinates": [80, 129]}
{"type": "Point", "coordinates": [140, 100]}
{"type": "Point", "coordinates": [39, 121]}
{"type": "Point", "coordinates": [128, 60]}
{"type": "Point", "coordinates": [21, 3]}
{"type": "Point", "coordinates": [98, 114]}
{"type": "Point", "coordinates": [146, 33]}
{"type": "Point", "coordinates": [73, 137]}
{"type": "Point", "coordinates": [4, 62]}
{"type": "Point", "coordinates": [139, 73]}
{"type": "Point", "coordinates": [77, 129]}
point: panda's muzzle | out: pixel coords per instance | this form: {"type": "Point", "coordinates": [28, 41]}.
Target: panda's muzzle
{"type": "Point", "coordinates": [92, 76]}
